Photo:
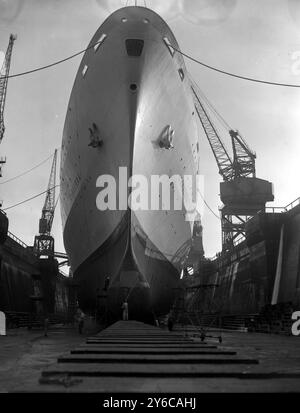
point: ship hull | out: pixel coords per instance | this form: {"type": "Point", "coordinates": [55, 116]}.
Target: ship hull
{"type": "Point", "coordinates": [131, 101]}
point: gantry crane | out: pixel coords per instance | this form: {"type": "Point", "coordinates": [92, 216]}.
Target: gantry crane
{"type": "Point", "coordinates": [44, 242]}
{"type": "Point", "coordinates": [242, 194]}
{"type": "Point", "coordinates": [4, 73]}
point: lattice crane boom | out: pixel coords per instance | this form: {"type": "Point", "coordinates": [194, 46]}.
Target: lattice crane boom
{"type": "Point", "coordinates": [243, 162]}
{"type": "Point", "coordinates": [218, 148]}
{"type": "Point", "coordinates": [49, 205]}
{"type": "Point", "coordinates": [4, 80]}
{"type": "Point", "coordinates": [242, 194]}
{"type": "Point", "coordinates": [243, 157]}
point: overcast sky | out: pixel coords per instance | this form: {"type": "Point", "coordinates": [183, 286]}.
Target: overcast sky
{"type": "Point", "coordinates": [254, 38]}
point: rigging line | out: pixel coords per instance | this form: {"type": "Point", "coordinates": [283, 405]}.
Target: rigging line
{"type": "Point", "coordinates": [211, 210]}
{"type": "Point", "coordinates": [218, 115]}
{"type": "Point", "coordinates": [26, 172]}
{"type": "Point", "coordinates": [56, 201]}
{"type": "Point", "coordinates": [224, 72]}
{"type": "Point", "coordinates": [51, 64]}
{"type": "Point", "coordinates": [29, 199]}
{"type": "Point", "coordinates": [55, 204]}
{"type": "Point", "coordinates": [210, 105]}
{"type": "Point", "coordinates": [183, 54]}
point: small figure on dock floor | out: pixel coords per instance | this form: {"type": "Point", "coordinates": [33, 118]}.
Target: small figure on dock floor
{"type": "Point", "coordinates": [46, 326]}
{"type": "Point", "coordinates": [106, 283]}
{"type": "Point", "coordinates": [202, 334]}
{"type": "Point", "coordinates": [170, 322]}
{"type": "Point", "coordinates": [80, 319]}
{"type": "Point", "coordinates": [125, 311]}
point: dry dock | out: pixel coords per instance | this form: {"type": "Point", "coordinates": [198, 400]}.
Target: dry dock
{"type": "Point", "coordinates": [135, 357]}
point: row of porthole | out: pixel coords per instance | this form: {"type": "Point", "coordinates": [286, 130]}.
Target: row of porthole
{"type": "Point", "coordinates": [124, 20]}
{"type": "Point", "coordinates": [166, 40]}
{"type": "Point", "coordinates": [133, 86]}
{"type": "Point", "coordinates": [96, 47]}
{"type": "Point", "coordinates": [101, 40]}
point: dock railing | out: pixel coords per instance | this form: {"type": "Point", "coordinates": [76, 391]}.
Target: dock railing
{"type": "Point", "coordinates": [16, 239]}
{"type": "Point", "coordinates": [287, 208]}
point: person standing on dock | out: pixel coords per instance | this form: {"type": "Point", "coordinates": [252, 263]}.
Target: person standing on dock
{"type": "Point", "coordinates": [80, 319]}
{"type": "Point", "coordinates": [46, 326]}
{"type": "Point", "coordinates": [106, 283]}
{"type": "Point", "coordinates": [170, 321]}
{"type": "Point", "coordinates": [125, 311]}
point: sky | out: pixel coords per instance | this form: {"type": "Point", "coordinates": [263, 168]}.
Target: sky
{"type": "Point", "coordinates": [259, 39]}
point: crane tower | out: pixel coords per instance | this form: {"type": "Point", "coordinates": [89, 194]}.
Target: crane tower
{"type": "Point", "coordinates": [4, 73]}
{"type": "Point", "coordinates": [44, 242]}
{"type": "Point", "coordinates": [242, 193]}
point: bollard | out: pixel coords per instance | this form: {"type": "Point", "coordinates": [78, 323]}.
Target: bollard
{"type": "Point", "coordinates": [2, 324]}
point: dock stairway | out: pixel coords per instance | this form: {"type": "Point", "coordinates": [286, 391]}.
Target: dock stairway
{"type": "Point", "coordinates": [133, 356]}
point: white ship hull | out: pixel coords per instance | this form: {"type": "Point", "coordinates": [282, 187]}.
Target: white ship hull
{"type": "Point", "coordinates": [129, 101]}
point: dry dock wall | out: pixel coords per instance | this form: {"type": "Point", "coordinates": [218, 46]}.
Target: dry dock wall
{"type": "Point", "coordinates": [289, 289]}
{"type": "Point", "coordinates": [29, 285]}
{"type": "Point", "coordinates": [245, 278]}
{"type": "Point", "coordinates": [16, 283]}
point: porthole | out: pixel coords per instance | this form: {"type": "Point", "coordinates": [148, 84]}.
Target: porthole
{"type": "Point", "coordinates": [124, 20]}
{"type": "Point", "coordinates": [168, 44]}
{"type": "Point", "coordinates": [100, 41]}
{"type": "Point", "coordinates": [133, 87]}
{"type": "Point", "coordinates": [84, 70]}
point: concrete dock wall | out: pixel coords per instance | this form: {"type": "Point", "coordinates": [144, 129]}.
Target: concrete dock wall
{"type": "Point", "coordinates": [290, 273]}
{"type": "Point", "coordinates": [30, 285]}
{"type": "Point", "coordinates": [246, 277]}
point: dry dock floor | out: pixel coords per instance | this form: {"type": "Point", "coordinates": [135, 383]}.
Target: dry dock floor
{"type": "Point", "coordinates": [134, 357]}
{"type": "Point", "coordinates": [24, 353]}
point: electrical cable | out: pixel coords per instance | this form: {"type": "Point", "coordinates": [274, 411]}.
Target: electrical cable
{"type": "Point", "coordinates": [26, 172]}
{"type": "Point", "coordinates": [210, 105]}
{"type": "Point", "coordinates": [224, 72]}
{"type": "Point", "coordinates": [211, 210]}
{"type": "Point", "coordinates": [56, 201]}
{"type": "Point", "coordinates": [51, 64]}
{"type": "Point", "coordinates": [29, 199]}
{"type": "Point", "coordinates": [251, 79]}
